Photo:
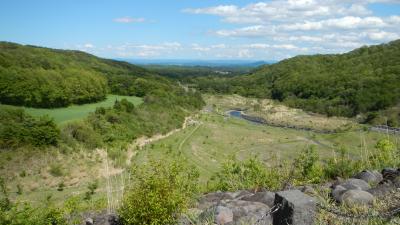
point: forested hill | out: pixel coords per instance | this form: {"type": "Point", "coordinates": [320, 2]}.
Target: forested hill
{"type": "Point", "coordinates": [363, 80]}
{"type": "Point", "coordinates": [43, 77]}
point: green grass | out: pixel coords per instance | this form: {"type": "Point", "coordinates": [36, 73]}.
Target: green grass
{"type": "Point", "coordinates": [76, 112]}
{"type": "Point", "coordinates": [210, 144]}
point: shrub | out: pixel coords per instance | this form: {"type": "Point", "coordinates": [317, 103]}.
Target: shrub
{"type": "Point", "coordinates": [82, 133]}
{"type": "Point", "coordinates": [61, 186]}
{"type": "Point", "coordinates": [309, 170]}
{"type": "Point", "coordinates": [91, 190]}
{"type": "Point", "coordinates": [385, 154]}
{"type": "Point", "coordinates": [26, 214]}
{"type": "Point", "coordinates": [160, 193]}
{"type": "Point", "coordinates": [341, 166]}
{"type": "Point", "coordinates": [248, 174]}
{"type": "Point", "coordinates": [18, 128]}
{"type": "Point", "coordinates": [56, 170]}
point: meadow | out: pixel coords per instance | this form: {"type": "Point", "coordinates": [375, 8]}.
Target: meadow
{"type": "Point", "coordinates": [77, 112]}
{"type": "Point", "coordinates": [215, 138]}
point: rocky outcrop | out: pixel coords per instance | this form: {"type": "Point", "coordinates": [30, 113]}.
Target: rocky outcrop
{"type": "Point", "coordinates": [294, 207]}
{"type": "Point", "coordinates": [102, 218]}
{"type": "Point", "coordinates": [244, 207]}
{"type": "Point", "coordinates": [358, 190]}
{"type": "Point", "coordinates": [287, 207]}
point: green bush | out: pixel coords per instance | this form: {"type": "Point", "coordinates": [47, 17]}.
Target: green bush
{"type": "Point", "coordinates": [385, 155]}
{"type": "Point", "coordinates": [81, 132]}
{"type": "Point", "coordinates": [160, 192]}
{"type": "Point", "coordinates": [56, 170]}
{"type": "Point", "coordinates": [18, 128]}
{"type": "Point", "coordinates": [342, 165]}
{"type": "Point", "coordinates": [308, 167]}
{"type": "Point", "coordinates": [28, 215]}
{"type": "Point", "coordinates": [248, 174]}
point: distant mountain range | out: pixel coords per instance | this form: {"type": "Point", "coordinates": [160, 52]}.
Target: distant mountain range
{"type": "Point", "coordinates": [207, 63]}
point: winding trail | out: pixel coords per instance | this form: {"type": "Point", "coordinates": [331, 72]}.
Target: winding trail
{"type": "Point", "coordinates": [187, 137]}
{"type": "Point", "coordinates": [142, 141]}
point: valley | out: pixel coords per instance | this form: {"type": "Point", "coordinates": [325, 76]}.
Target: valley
{"type": "Point", "coordinates": [82, 136]}
{"type": "Point", "coordinates": [208, 139]}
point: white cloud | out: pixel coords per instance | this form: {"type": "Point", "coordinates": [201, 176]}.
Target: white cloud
{"type": "Point", "coordinates": [128, 19]}
{"type": "Point", "coordinates": [284, 10]}
{"type": "Point", "coordinates": [88, 45]}
{"type": "Point", "coordinates": [244, 53]}
{"type": "Point", "coordinates": [199, 48]}
{"type": "Point", "coordinates": [381, 36]}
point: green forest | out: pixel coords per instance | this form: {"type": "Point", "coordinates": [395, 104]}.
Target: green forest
{"type": "Point", "coordinates": [361, 81]}
{"type": "Point", "coordinates": [49, 78]}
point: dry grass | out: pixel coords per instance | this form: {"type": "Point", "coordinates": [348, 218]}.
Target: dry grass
{"type": "Point", "coordinates": [277, 113]}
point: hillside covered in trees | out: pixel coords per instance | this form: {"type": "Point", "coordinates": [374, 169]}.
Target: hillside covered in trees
{"type": "Point", "coordinates": [364, 80]}
{"type": "Point", "coordinates": [48, 78]}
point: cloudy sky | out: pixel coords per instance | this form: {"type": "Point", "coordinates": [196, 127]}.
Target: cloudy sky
{"type": "Point", "coordinates": [201, 29]}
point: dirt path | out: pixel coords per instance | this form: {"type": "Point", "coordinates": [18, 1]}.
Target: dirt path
{"type": "Point", "coordinates": [143, 141]}
{"type": "Point", "coordinates": [134, 147]}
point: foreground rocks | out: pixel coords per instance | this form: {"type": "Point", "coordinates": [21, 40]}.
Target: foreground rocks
{"type": "Point", "coordinates": [365, 186]}
{"type": "Point", "coordinates": [102, 218]}
{"type": "Point", "coordinates": [286, 207]}
{"type": "Point", "coordinates": [295, 207]}
{"type": "Point", "coordinates": [264, 208]}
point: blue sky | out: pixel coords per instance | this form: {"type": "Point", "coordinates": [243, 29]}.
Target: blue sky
{"type": "Point", "coordinates": [201, 29]}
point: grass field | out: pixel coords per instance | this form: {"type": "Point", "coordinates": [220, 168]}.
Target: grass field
{"type": "Point", "coordinates": [217, 138]}
{"type": "Point", "coordinates": [76, 112]}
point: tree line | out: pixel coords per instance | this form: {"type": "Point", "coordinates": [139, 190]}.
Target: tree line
{"type": "Point", "coordinates": [361, 81]}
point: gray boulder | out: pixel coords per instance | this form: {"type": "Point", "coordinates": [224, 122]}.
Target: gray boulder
{"type": "Point", "coordinates": [355, 184]}
{"type": "Point", "coordinates": [357, 197]}
{"type": "Point", "coordinates": [295, 207]}
{"type": "Point", "coordinates": [382, 188]}
{"type": "Point", "coordinates": [223, 215]}
{"type": "Point", "coordinates": [242, 208]}
{"type": "Point", "coordinates": [212, 199]}
{"type": "Point", "coordinates": [264, 197]}
{"type": "Point", "coordinates": [337, 193]}
{"type": "Point", "coordinates": [216, 214]}
{"type": "Point", "coordinates": [390, 174]}
{"type": "Point", "coordinates": [239, 194]}
{"type": "Point", "coordinates": [371, 177]}
{"type": "Point", "coordinates": [103, 219]}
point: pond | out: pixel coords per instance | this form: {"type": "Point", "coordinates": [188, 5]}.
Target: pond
{"type": "Point", "coordinates": [236, 113]}
{"type": "Point", "coordinates": [241, 115]}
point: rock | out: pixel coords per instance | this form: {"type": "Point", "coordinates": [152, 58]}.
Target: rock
{"type": "Point", "coordinates": [355, 184]}
{"type": "Point", "coordinates": [212, 199]}
{"type": "Point", "coordinates": [390, 173]}
{"type": "Point", "coordinates": [337, 181]}
{"type": "Point", "coordinates": [337, 193]}
{"type": "Point", "coordinates": [101, 218]}
{"type": "Point", "coordinates": [357, 197]}
{"type": "Point", "coordinates": [239, 194]}
{"type": "Point", "coordinates": [223, 215]}
{"type": "Point", "coordinates": [89, 221]}
{"type": "Point", "coordinates": [246, 212]}
{"type": "Point", "coordinates": [396, 182]}
{"type": "Point", "coordinates": [295, 208]}
{"type": "Point", "coordinates": [382, 188]}
{"type": "Point", "coordinates": [216, 214]}
{"type": "Point", "coordinates": [371, 177]}
{"type": "Point", "coordinates": [264, 197]}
